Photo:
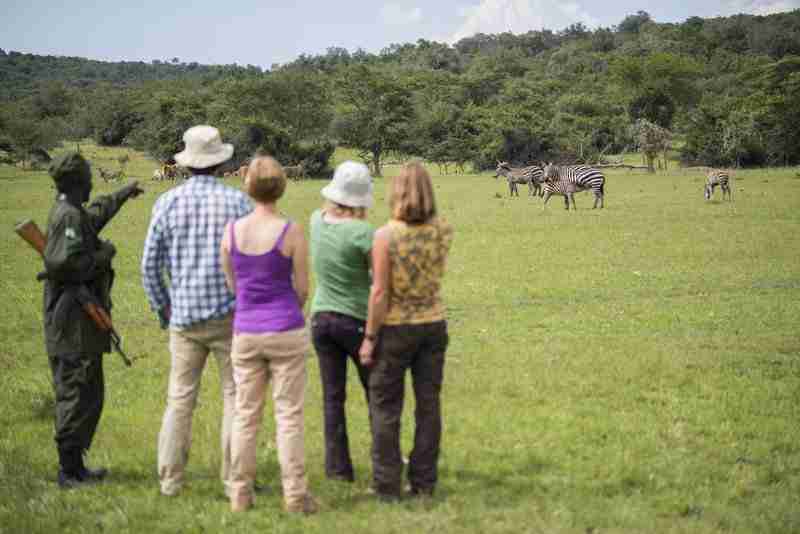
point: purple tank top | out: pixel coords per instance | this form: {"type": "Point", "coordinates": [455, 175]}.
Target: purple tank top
{"type": "Point", "coordinates": [265, 298]}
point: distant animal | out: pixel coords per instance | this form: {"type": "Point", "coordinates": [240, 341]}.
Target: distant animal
{"type": "Point", "coordinates": [242, 172]}
{"type": "Point", "coordinates": [170, 172]}
{"type": "Point", "coordinates": [560, 187]}
{"type": "Point", "coordinates": [533, 176]}
{"type": "Point", "coordinates": [714, 178]}
{"type": "Point", "coordinates": [294, 172]}
{"type": "Point", "coordinates": [109, 176]}
{"type": "Point", "coordinates": [583, 176]}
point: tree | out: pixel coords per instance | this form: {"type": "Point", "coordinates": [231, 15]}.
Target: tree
{"type": "Point", "coordinates": [160, 133]}
{"type": "Point", "coordinates": [654, 106]}
{"type": "Point", "coordinates": [26, 135]}
{"type": "Point", "coordinates": [603, 40]}
{"type": "Point", "coordinates": [781, 109]}
{"type": "Point", "coordinates": [704, 133]}
{"type": "Point", "coordinates": [658, 84]}
{"type": "Point", "coordinates": [376, 112]}
{"type": "Point", "coordinates": [52, 100]}
{"type": "Point", "coordinates": [633, 23]}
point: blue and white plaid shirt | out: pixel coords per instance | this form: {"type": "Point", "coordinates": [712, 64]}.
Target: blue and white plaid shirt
{"type": "Point", "coordinates": [183, 247]}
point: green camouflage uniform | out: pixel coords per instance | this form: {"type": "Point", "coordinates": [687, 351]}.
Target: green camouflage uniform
{"type": "Point", "coordinates": [76, 258]}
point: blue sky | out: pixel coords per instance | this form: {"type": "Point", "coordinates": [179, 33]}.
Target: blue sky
{"type": "Point", "coordinates": [266, 32]}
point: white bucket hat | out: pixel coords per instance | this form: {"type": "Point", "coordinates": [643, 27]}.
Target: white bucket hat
{"type": "Point", "coordinates": [204, 148]}
{"type": "Point", "coordinates": [351, 186]}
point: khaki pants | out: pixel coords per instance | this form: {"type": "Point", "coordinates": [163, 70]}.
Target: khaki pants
{"type": "Point", "coordinates": [190, 348]}
{"type": "Point", "coordinates": [257, 359]}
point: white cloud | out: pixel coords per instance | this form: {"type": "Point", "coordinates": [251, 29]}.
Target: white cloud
{"type": "Point", "coordinates": [395, 14]}
{"type": "Point", "coordinates": [759, 7]}
{"type": "Point", "coordinates": [520, 16]}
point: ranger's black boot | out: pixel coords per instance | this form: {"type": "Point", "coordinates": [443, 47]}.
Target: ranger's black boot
{"type": "Point", "coordinates": [91, 475]}
{"type": "Point", "coordinates": [69, 473]}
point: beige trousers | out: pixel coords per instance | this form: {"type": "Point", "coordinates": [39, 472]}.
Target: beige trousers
{"type": "Point", "coordinates": [257, 359]}
{"type": "Point", "coordinates": [190, 348]}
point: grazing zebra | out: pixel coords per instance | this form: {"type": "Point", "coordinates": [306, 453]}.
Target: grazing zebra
{"type": "Point", "coordinates": [523, 175]}
{"type": "Point", "coordinates": [584, 177]}
{"type": "Point", "coordinates": [717, 177]}
{"type": "Point", "coordinates": [560, 187]}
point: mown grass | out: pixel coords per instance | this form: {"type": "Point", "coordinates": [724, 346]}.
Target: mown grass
{"type": "Point", "coordinates": [635, 369]}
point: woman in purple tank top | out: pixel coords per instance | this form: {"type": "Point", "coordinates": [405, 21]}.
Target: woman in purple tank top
{"type": "Point", "coordinates": [265, 259]}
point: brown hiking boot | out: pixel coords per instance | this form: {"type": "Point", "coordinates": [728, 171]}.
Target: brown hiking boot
{"type": "Point", "coordinates": [240, 504]}
{"type": "Point", "coordinates": [306, 505]}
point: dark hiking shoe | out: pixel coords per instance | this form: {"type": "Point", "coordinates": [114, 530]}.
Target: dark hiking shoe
{"type": "Point", "coordinates": [341, 477]}
{"type": "Point", "coordinates": [72, 481]}
{"type": "Point", "coordinates": [384, 497]}
{"type": "Point", "coordinates": [420, 492]}
{"type": "Point", "coordinates": [94, 475]}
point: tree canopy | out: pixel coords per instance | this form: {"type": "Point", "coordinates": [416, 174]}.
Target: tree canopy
{"type": "Point", "coordinates": [725, 87]}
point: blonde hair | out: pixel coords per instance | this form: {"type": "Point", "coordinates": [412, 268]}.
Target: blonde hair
{"type": "Point", "coordinates": [340, 210]}
{"type": "Point", "coordinates": [411, 195]}
{"type": "Point", "coordinates": [266, 180]}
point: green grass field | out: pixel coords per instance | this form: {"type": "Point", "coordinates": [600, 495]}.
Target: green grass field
{"type": "Point", "coordinates": [631, 369]}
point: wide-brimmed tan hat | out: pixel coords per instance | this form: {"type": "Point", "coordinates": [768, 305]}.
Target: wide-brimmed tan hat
{"type": "Point", "coordinates": [351, 186]}
{"type": "Point", "coordinates": [204, 148]}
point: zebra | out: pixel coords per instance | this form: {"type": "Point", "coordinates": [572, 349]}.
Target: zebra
{"type": "Point", "coordinates": [523, 175]}
{"type": "Point", "coordinates": [560, 187]}
{"type": "Point", "coordinates": [583, 176]}
{"type": "Point", "coordinates": [717, 177]}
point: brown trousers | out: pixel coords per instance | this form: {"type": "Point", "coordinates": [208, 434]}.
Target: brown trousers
{"type": "Point", "coordinates": [420, 349]}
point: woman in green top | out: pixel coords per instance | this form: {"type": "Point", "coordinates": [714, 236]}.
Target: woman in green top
{"type": "Point", "coordinates": [341, 241]}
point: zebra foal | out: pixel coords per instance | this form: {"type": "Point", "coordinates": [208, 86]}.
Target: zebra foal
{"type": "Point", "coordinates": [582, 177]}
{"type": "Point", "coordinates": [520, 175]}
{"type": "Point", "coordinates": [714, 178]}
{"type": "Point", "coordinates": [560, 187]}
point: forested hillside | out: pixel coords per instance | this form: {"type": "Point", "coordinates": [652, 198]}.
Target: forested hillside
{"type": "Point", "coordinates": [723, 91]}
{"type": "Point", "coordinates": [23, 74]}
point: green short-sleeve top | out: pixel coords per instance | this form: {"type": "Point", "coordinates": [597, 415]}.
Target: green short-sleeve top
{"type": "Point", "coordinates": [340, 261]}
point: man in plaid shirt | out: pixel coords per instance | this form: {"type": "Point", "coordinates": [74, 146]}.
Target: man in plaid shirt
{"type": "Point", "coordinates": [183, 248]}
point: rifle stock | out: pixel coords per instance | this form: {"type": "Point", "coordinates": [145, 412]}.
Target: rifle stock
{"type": "Point", "coordinates": [30, 232]}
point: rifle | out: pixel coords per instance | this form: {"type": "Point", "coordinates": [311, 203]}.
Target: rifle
{"type": "Point", "coordinates": [30, 232]}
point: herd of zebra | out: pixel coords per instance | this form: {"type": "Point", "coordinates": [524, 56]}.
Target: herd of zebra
{"type": "Point", "coordinates": [547, 180]}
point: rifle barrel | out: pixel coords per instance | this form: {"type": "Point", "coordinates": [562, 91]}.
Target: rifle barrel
{"type": "Point", "coordinates": [116, 342]}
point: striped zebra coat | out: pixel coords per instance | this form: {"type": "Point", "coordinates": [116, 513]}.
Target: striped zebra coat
{"type": "Point", "coordinates": [560, 187]}
{"type": "Point", "coordinates": [582, 176]}
{"type": "Point", "coordinates": [521, 175]}
{"type": "Point", "coordinates": [714, 178]}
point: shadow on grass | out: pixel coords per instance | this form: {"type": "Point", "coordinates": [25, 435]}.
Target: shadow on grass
{"type": "Point", "coordinates": [130, 478]}
{"type": "Point", "coordinates": [505, 481]}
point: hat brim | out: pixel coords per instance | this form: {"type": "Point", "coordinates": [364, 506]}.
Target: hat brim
{"type": "Point", "coordinates": [338, 196]}
{"type": "Point", "coordinates": [204, 161]}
